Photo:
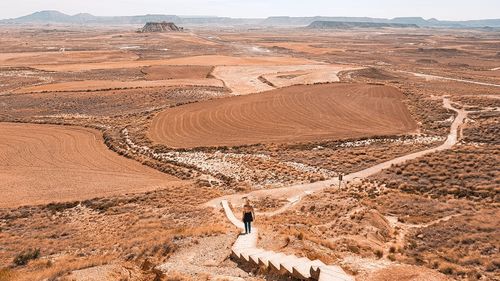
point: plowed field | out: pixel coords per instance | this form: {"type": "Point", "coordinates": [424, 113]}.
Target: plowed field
{"type": "Point", "coordinates": [44, 163]}
{"type": "Point", "coordinates": [293, 114]}
{"type": "Point", "coordinates": [208, 60]}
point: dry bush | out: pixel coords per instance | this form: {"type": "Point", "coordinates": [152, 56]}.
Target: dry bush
{"type": "Point", "coordinates": [463, 245]}
{"type": "Point", "coordinates": [463, 172]}
{"type": "Point", "coordinates": [331, 156]}
{"type": "Point", "coordinates": [51, 270]}
{"type": "Point", "coordinates": [491, 101]}
{"type": "Point", "coordinates": [128, 225]}
{"type": "Point", "coordinates": [484, 129]}
{"type": "Point", "coordinates": [25, 256]}
{"type": "Point", "coordinates": [417, 209]}
{"type": "Point", "coordinates": [334, 221]}
{"type": "Point", "coordinates": [200, 231]}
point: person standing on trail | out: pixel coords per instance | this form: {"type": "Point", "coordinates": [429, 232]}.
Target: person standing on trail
{"type": "Point", "coordinates": [248, 216]}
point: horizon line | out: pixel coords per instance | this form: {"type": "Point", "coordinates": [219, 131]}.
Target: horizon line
{"type": "Point", "coordinates": [218, 16]}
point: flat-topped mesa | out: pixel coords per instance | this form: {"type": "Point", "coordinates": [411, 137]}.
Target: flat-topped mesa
{"type": "Point", "coordinates": [342, 24]}
{"type": "Point", "coordinates": [160, 27]}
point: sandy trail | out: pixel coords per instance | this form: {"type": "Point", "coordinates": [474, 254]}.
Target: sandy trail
{"type": "Point", "coordinates": [435, 77]}
{"type": "Point", "coordinates": [40, 164]}
{"type": "Point", "coordinates": [296, 192]}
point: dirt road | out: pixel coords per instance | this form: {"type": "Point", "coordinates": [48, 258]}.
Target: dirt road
{"type": "Point", "coordinates": [295, 193]}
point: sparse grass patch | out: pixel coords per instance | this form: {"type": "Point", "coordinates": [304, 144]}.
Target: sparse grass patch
{"type": "Point", "coordinates": [60, 267]}
{"type": "Point", "coordinates": [200, 231]}
{"type": "Point", "coordinates": [6, 274]}
{"type": "Point", "coordinates": [25, 256]}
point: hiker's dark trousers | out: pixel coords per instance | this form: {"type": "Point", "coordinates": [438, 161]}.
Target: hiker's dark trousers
{"type": "Point", "coordinates": [248, 226]}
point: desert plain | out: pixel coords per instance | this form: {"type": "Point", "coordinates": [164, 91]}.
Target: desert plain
{"type": "Point", "coordinates": [117, 149]}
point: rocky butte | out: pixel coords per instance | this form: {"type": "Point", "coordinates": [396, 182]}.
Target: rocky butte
{"type": "Point", "coordinates": [160, 27]}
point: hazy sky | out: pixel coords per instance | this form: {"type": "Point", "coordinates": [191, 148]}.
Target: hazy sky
{"type": "Point", "coordinates": [441, 9]}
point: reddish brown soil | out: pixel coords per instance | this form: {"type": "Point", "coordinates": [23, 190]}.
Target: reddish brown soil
{"type": "Point", "coordinates": [93, 85]}
{"type": "Point", "coordinates": [406, 273]}
{"type": "Point", "coordinates": [162, 72]}
{"type": "Point", "coordinates": [31, 58]}
{"type": "Point", "coordinates": [193, 60]}
{"type": "Point", "coordinates": [43, 164]}
{"type": "Point", "coordinates": [299, 113]}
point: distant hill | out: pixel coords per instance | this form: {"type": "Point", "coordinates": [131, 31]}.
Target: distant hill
{"type": "Point", "coordinates": [45, 16]}
{"type": "Point", "coordinates": [304, 21]}
{"type": "Point", "coordinates": [58, 17]}
{"type": "Point", "coordinates": [341, 24]}
{"type": "Point", "coordinates": [55, 17]}
{"type": "Point", "coordinates": [160, 27]}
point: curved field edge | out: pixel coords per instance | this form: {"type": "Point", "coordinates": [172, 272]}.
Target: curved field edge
{"type": "Point", "coordinates": [293, 114]}
{"type": "Point", "coordinates": [47, 163]}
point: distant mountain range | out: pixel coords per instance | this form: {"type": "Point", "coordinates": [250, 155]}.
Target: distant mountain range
{"type": "Point", "coordinates": [342, 24]}
{"type": "Point", "coordinates": [55, 17]}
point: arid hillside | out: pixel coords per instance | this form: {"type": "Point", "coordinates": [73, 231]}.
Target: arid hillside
{"type": "Point", "coordinates": [118, 148]}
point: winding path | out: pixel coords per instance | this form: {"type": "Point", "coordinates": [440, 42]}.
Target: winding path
{"type": "Point", "coordinates": [295, 193]}
{"type": "Point", "coordinates": [245, 249]}
{"type": "Point", "coordinates": [429, 76]}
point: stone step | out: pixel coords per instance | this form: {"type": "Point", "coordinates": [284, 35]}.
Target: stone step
{"type": "Point", "coordinates": [247, 253]}
{"type": "Point", "coordinates": [303, 270]}
{"type": "Point", "coordinates": [245, 248]}
{"type": "Point", "coordinates": [275, 263]}
{"type": "Point", "coordinates": [265, 260]}
{"type": "Point", "coordinates": [254, 259]}
{"type": "Point", "coordinates": [237, 252]}
{"type": "Point", "coordinates": [243, 243]}
{"type": "Point", "coordinates": [288, 264]}
{"type": "Point", "coordinates": [315, 270]}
